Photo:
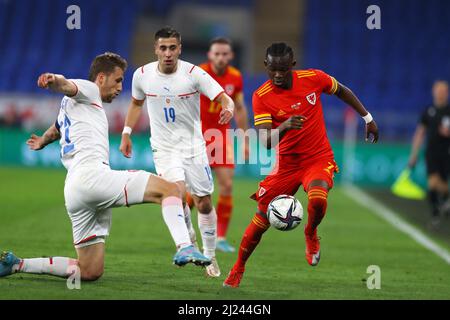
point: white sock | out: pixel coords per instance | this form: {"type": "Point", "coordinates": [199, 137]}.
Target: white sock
{"type": "Point", "coordinates": [187, 218]}
{"type": "Point", "coordinates": [207, 223]}
{"type": "Point", "coordinates": [57, 266]}
{"type": "Point", "coordinates": [173, 214]}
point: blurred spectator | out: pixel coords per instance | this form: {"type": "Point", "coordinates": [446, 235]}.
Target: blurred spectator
{"type": "Point", "coordinates": [11, 117]}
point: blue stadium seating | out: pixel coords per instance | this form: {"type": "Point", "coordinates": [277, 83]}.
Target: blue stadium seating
{"type": "Point", "coordinates": [34, 38]}
{"type": "Point", "coordinates": [391, 69]}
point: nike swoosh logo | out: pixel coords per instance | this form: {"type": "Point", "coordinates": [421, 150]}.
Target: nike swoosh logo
{"type": "Point", "coordinates": [209, 233]}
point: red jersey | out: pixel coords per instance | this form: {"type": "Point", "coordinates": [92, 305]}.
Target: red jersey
{"type": "Point", "coordinates": [274, 105]}
{"type": "Point", "coordinates": [231, 82]}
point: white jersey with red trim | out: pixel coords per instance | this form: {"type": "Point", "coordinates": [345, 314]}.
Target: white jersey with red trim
{"type": "Point", "coordinates": [173, 104]}
{"type": "Point", "coordinates": [83, 126]}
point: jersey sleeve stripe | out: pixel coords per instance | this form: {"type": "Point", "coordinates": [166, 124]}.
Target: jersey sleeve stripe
{"type": "Point", "coordinates": [261, 122]}
{"type": "Point", "coordinates": [263, 118]}
{"type": "Point", "coordinates": [262, 115]}
{"type": "Point", "coordinates": [334, 86]}
{"type": "Point", "coordinates": [150, 95]}
{"type": "Point", "coordinates": [218, 95]}
{"type": "Point", "coordinates": [306, 75]}
{"type": "Point", "coordinates": [260, 94]}
{"type": "Point", "coordinates": [142, 69]}
{"type": "Point", "coordinates": [76, 92]}
{"type": "Point", "coordinates": [263, 88]}
{"type": "Point", "coordinates": [192, 68]}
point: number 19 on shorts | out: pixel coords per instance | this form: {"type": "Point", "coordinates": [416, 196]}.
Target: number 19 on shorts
{"type": "Point", "coordinates": [169, 113]}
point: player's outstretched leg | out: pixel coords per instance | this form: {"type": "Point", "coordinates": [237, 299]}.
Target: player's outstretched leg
{"type": "Point", "coordinates": [168, 194]}
{"type": "Point", "coordinates": [250, 240]}
{"type": "Point", "coordinates": [56, 266]}
{"type": "Point", "coordinates": [317, 206]}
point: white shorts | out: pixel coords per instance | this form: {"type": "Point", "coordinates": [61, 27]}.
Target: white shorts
{"type": "Point", "coordinates": [91, 192]}
{"type": "Point", "coordinates": [194, 171]}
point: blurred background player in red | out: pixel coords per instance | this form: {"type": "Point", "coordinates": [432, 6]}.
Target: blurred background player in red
{"type": "Point", "coordinates": [288, 106]}
{"type": "Point", "coordinates": [220, 148]}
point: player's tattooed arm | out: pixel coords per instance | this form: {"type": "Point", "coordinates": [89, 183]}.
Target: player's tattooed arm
{"type": "Point", "coordinates": [39, 142]}
{"type": "Point", "coordinates": [57, 83]}
{"type": "Point", "coordinates": [271, 137]}
{"type": "Point", "coordinates": [347, 95]}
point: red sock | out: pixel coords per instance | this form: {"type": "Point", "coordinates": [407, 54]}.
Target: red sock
{"type": "Point", "coordinates": [317, 206]}
{"type": "Point", "coordinates": [189, 200]}
{"type": "Point", "coordinates": [250, 240]}
{"type": "Point", "coordinates": [224, 209]}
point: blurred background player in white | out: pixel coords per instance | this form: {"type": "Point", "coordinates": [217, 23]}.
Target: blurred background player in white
{"type": "Point", "coordinates": [91, 187]}
{"type": "Point", "coordinates": [172, 87]}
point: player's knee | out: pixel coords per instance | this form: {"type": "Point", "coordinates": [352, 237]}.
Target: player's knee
{"type": "Point", "coordinates": [172, 190]}
{"type": "Point", "coordinates": [226, 188]}
{"type": "Point", "coordinates": [204, 205]}
{"type": "Point", "coordinates": [91, 274]}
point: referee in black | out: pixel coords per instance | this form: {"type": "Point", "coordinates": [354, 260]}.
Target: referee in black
{"type": "Point", "coordinates": [434, 126]}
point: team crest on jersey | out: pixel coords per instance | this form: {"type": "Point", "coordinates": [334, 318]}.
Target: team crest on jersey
{"type": "Point", "coordinates": [261, 192]}
{"type": "Point", "coordinates": [281, 113]}
{"type": "Point", "coordinates": [229, 88]}
{"type": "Point", "coordinates": [311, 98]}
{"type": "Point", "coordinates": [167, 100]}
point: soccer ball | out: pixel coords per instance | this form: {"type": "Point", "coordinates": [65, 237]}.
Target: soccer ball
{"type": "Point", "coordinates": [285, 212]}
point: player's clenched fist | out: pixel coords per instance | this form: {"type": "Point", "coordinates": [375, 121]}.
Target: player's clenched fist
{"type": "Point", "coordinates": [125, 145]}
{"type": "Point", "coordinates": [294, 122]}
{"type": "Point", "coordinates": [45, 80]}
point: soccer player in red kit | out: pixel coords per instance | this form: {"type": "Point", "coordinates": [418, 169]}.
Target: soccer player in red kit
{"type": "Point", "coordinates": [221, 152]}
{"type": "Point", "coordinates": [288, 106]}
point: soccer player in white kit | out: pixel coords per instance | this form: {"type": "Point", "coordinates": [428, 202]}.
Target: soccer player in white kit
{"type": "Point", "coordinates": [92, 188]}
{"type": "Point", "coordinates": [171, 89]}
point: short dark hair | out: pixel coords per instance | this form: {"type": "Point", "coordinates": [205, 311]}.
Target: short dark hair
{"type": "Point", "coordinates": [220, 40]}
{"type": "Point", "coordinates": [279, 49]}
{"type": "Point", "coordinates": [167, 32]}
{"type": "Point", "coordinates": [106, 62]}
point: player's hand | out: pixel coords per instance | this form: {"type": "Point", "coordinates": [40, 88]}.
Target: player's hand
{"type": "Point", "coordinates": [45, 80]}
{"type": "Point", "coordinates": [294, 122]}
{"type": "Point", "coordinates": [372, 129]}
{"type": "Point", "coordinates": [126, 145]}
{"type": "Point", "coordinates": [225, 116]}
{"type": "Point", "coordinates": [35, 142]}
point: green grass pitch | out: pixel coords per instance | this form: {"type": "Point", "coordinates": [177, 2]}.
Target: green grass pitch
{"type": "Point", "coordinates": [33, 223]}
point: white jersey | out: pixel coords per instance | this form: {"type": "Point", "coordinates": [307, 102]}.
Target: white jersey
{"type": "Point", "coordinates": [173, 104]}
{"type": "Point", "coordinates": [83, 126]}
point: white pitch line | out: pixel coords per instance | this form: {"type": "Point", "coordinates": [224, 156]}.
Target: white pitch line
{"type": "Point", "coordinates": [393, 218]}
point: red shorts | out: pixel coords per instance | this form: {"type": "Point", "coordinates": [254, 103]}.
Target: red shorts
{"type": "Point", "coordinates": [220, 149]}
{"type": "Point", "coordinates": [289, 175]}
